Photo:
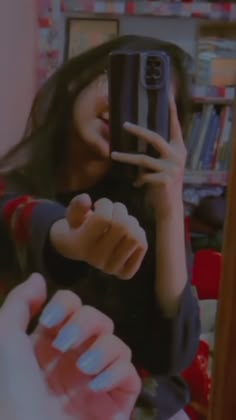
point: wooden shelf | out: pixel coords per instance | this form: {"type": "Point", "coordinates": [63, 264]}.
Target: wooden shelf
{"type": "Point", "coordinates": [199, 10]}
{"type": "Point", "coordinates": [206, 177]}
{"type": "Point", "coordinates": [215, 101]}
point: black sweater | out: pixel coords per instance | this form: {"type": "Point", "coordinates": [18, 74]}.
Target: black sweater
{"type": "Point", "coordinates": [163, 346]}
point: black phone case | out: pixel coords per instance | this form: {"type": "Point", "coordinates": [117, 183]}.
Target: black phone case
{"type": "Point", "coordinates": [139, 85]}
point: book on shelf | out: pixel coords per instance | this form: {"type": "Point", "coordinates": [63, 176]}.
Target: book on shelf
{"type": "Point", "coordinates": [210, 92]}
{"type": "Point", "coordinates": [201, 136]}
{"type": "Point", "coordinates": [207, 152]}
{"type": "Point", "coordinates": [218, 71]}
{"type": "Point", "coordinates": [209, 138]}
{"type": "Point", "coordinates": [216, 61]}
{"type": "Point", "coordinates": [223, 152]}
{"type": "Point", "coordinates": [211, 177]}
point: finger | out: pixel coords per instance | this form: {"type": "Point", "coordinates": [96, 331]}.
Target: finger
{"type": "Point", "coordinates": [144, 161]}
{"type": "Point", "coordinates": [24, 302]}
{"type": "Point", "coordinates": [119, 255]}
{"type": "Point", "coordinates": [100, 220]}
{"type": "Point", "coordinates": [133, 264]}
{"type": "Point", "coordinates": [55, 314]}
{"type": "Point", "coordinates": [154, 179]}
{"type": "Point", "coordinates": [110, 237]}
{"type": "Point", "coordinates": [94, 230]}
{"type": "Point", "coordinates": [119, 212]}
{"type": "Point", "coordinates": [79, 208]}
{"type": "Point", "coordinates": [175, 128]}
{"type": "Point", "coordinates": [63, 305]}
{"type": "Point", "coordinates": [103, 209]}
{"type": "Point", "coordinates": [126, 247]}
{"type": "Point", "coordinates": [171, 171]}
{"type": "Point", "coordinates": [120, 240]}
{"type": "Point", "coordinates": [104, 351]}
{"type": "Point", "coordinates": [154, 139]}
{"type": "Point", "coordinates": [121, 374]}
{"type": "Point", "coordinates": [84, 325]}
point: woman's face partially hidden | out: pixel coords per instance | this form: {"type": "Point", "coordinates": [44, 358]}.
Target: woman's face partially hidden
{"type": "Point", "coordinates": [91, 118]}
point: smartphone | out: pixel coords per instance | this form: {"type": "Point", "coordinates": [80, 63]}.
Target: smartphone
{"type": "Point", "coordinates": [139, 83]}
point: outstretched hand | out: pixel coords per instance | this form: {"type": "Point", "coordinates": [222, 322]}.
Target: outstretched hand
{"type": "Point", "coordinates": [104, 235]}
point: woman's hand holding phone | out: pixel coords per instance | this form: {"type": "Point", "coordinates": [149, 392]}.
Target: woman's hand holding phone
{"type": "Point", "coordinates": [164, 175]}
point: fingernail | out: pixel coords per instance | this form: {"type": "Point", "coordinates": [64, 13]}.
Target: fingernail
{"type": "Point", "coordinates": [101, 382]}
{"type": "Point", "coordinates": [52, 315]}
{"type": "Point", "coordinates": [120, 416]}
{"type": "Point", "coordinates": [90, 362]}
{"type": "Point", "coordinates": [137, 184]}
{"type": "Point", "coordinates": [66, 338]}
{"type": "Point", "coordinates": [127, 124]}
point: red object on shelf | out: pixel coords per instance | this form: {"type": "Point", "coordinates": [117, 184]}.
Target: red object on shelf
{"type": "Point", "coordinates": [199, 382]}
{"type": "Point", "coordinates": [206, 273]}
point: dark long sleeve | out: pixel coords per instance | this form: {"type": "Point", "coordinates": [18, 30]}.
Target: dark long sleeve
{"type": "Point", "coordinates": [24, 227]}
{"type": "Point", "coordinates": [165, 346]}
{"type": "Point", "coordinates": [161, 345]}
{"type": "Point", "coordinates": [64, 271]}
{"type": "Point", "coordinates": [168, 346]}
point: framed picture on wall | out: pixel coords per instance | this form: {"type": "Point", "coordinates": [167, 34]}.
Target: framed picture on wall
{"type": "Point", "coordinates": [84, 33]}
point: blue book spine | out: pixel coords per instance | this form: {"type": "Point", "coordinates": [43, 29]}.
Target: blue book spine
{"type": "Point", "coordinates": [208, 155]}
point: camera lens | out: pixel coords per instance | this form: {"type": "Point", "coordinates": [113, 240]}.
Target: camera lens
{"type": "Point", "coordinates": [157, 73]}
{"type": "Point", "coordinates": [153, 74]}
{"type": "Point", "coordinates": [149, 73]}
{"type": "Point", "coordinates": [153, 71]}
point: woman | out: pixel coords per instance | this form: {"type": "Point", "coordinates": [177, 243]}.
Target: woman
{"type": "Point", "coordinates": [65, 152]}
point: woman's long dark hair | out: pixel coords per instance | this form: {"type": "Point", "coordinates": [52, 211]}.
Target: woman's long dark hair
{"type": "Point", "coordinates": [34, 163]}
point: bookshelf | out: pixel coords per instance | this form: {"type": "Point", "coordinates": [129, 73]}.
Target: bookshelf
{"type": "Point", "coordinates": [209, 177]}
{"type": "Point", "coordinates": [215, 101]}
{"type": "Point", "coordinates": [194, 8]}
{"type": "Point", "coordinates": [210, 130]}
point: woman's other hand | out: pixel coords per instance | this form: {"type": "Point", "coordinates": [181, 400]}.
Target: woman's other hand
{"type": "Point", "coordinates": [104, 236]}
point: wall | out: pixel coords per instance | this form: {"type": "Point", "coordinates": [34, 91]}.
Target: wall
{"type": "Point", "coordinates": [182, 31]}
{"type": "Point", "coordinates": [17, 67]}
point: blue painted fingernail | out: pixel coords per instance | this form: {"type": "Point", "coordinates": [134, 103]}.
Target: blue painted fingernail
{"type": "Point", "coordinates": [90, 362]}
{"type": "Point", "coordinates": [127, 124]}
{"type": "Point", "coordinates": [67, 337]}
{"type": "Point", "coordinates": [101, 382]}
{"type": "Point", "coordinates": [52, 315]}
{"type": "Point", "coordinates": [120, 416]}
{"type": "Point", "coordinates": [115, 154]}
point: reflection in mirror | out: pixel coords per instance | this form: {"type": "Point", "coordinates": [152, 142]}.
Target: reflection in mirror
{"type": "Point", "coordinates": [209, 144]}
{"type": "Point", "coordinates": [66, 151]}
{"type": "Point", "coordinates": [212, 148]}
{"type": "Point", "coordinates": [224, 372]}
